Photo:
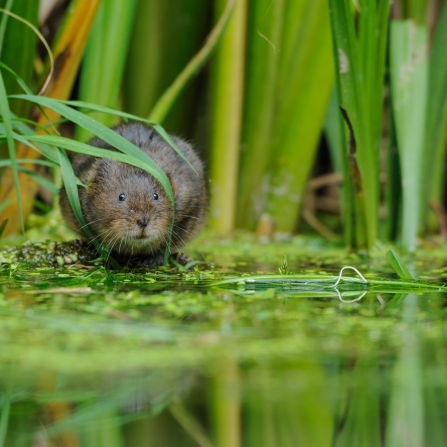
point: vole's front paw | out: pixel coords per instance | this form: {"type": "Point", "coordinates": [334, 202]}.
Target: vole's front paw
{"type": "Point", "coordinates": [181, 258]}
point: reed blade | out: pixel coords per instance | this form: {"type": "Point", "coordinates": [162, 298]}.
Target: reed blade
{"type": "Point", "coordinates": [227, 90]}
{"type": "Point", "coordinates": [409, 76]}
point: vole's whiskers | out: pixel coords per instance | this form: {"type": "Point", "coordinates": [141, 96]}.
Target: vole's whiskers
{"type": "Point", "coordinates": [93, 221]}
{"type": "Point", "coordinates": [172, 244]}
{"type": "Point", "coordinates": [111, 248]}
{"type": "Point", "coordinates": [100, 234]}
{"type": "Point", "coordinates": [119, 248]}
{"type": "Point", "coordinates": [178, 236]}
{"type": "Point", "coordinates": [187, 215]}
{"type": "Point", "coordinates": [180, 228]}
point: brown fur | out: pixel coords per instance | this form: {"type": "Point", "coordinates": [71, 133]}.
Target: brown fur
{"type": "Point", "coordinates": [140, 224]}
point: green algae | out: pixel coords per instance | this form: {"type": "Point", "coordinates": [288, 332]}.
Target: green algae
{"type": "Point", "coordinates": [118, 347]}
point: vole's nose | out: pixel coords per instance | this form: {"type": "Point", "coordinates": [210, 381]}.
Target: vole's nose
{"type": "Point", "coordinates": [143, 221]}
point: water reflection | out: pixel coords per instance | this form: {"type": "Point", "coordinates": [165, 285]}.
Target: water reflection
{"type": "Point", "coordinates": [224, 369]}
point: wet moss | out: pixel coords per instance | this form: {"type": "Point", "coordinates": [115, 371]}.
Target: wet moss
{"type": "Point", "coordinates": [48, 254]}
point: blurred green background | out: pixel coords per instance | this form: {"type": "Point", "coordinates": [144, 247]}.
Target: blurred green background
{"type": "Point", "coordinates": [324, 116]}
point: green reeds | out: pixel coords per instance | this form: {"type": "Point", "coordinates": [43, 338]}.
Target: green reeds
{"type": "Point", "coordinates": [68, 49]}
{"type": "Point", "coordinates": [165, 36]}
{"type": "Point", "coordinates": [418, 118]}
{"type": "Point", "coordinates": [171, 94]}
{"type": "Point", "coordinates": [227, 83]}
{"type": "Point", "coordinates": [288, 86]}
{"type": "Point", "coordinates": [436, 120]}
{"type": "Point", "coordinates": [265, 21]}
{"type": "Point", "coordinates": [305, 82]}
{"type": "Point", "coordinates": [360, 61]}
{"type": "Point", "coordinates": [18, 49]}
{"type": "Point", "coordinates": [409, 76]}
{"type": "Point", "coordinates": [105, 56]}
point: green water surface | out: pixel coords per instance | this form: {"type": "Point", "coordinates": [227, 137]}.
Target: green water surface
{"type": "Point", "coordinates": [176, 357]}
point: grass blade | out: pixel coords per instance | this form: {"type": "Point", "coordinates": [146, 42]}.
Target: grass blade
{"type": "Point", "coordinates": [398, 265]}
{"type": "Point", "coordinates": [71, 187]}
{"type": "Point", "coordinates": [6, 115]}
{"type": "Point", "coordinates": [83, 148]}
{"type": "Point", "coordinates": [99, 108]}
{"type": "Point", "coordinates": [436, 120]}
{"type": "Point", "coordinates": [3, 24]}
{"type": "Point", "coordinates": [105, 56]}
{"type": "Point", "coordinates": [106, 134]}
{"type": "Point", "coordinates": [68, 51]}
{"type": "Point", "coordinates": [409, 76]}
{"type": "Point", "coordinates": [50, 164]}
{"type": "Point", "coordinates": [360, 59]}
{"type": "Point", "coordinates": [19, 48]}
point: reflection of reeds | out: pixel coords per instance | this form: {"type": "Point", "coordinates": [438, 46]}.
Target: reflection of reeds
{"type": "Point", "coordinates": [406, 410]}
{"type": "Point", "coordinates": [257, 371]}
{"type": "Point", "coordinates": [4, 418]}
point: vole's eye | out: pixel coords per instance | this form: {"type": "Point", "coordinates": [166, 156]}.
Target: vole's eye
{"type": "Point", "coordinates": [122, 197]}
{"type": "Point", "coordinates": [155, 196]}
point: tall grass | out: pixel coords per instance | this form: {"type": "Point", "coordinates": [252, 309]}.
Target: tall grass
{"type": "Point", "coordinates": [409, 84]}
{"type": "Point", "coordinates": [257, 110]}
{"type": "Point", "coordinates": [418, 102]}
{"type": "Point", "coordinates": [435, 120]}
{"type": "Point", "coordinates": [226, 90]}
{"type": "Point", "coordinates": [67, 51]}
{"type": "Point", "coordinates": [286, 99]}
{"type": "Point", "coordinates": [165, 36]}
{"type": "Point", "coordinates": [18, 49]}
{"type": "Point", "coordinates": [360, 60]}
{"type": "Point", "coordinates": [105, 57]}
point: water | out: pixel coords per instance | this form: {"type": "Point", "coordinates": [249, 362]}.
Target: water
{"type": "Point", "coordinates": [98, 359]}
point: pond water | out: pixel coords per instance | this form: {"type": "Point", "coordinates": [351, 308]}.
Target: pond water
{"type": "Point", "coordinates": [179, 358]}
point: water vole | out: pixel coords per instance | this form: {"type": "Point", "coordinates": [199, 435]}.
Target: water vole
{"type": "Point", "coordinates": [127, 208]}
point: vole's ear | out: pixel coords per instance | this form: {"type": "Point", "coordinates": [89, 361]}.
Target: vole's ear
{"type": "Point", "coordinates": [173, 185]}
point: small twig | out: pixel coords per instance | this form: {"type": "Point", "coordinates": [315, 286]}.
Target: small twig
{"type": "Point", "coordinates": [318, 226]}
{"type": "Point", "coordinates": [352, 268]}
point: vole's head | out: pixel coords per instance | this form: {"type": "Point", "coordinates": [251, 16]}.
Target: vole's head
{"type": "Point", "coordinates": [127, 208]}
